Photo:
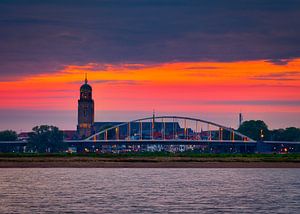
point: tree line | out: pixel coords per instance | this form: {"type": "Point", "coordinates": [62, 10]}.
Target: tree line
{"type": "Point", "coordinates": [258, 130]}
{"type": "Point", "coordinates": [42, 139]}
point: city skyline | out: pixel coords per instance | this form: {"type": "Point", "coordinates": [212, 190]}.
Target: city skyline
{"type": "Point", "coordinates": [189, 59]}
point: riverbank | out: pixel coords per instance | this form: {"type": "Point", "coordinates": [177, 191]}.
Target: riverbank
{"type": "Point", "coordinates": [61, 164]}
{"type": "Point", "coordinates": [151, 161]}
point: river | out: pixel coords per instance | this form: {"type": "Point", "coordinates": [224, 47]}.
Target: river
{"type": "Point", "coordinates": [70, 190]}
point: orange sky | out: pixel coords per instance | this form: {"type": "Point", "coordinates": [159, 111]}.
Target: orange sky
{"type": "Point", "coordinates": [180, 85]}
{"type": "Point", "coordinates": [248, 86]}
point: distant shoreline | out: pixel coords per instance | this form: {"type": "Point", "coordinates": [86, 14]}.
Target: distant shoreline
{"type": "Point", "coordinates": [154, 162]}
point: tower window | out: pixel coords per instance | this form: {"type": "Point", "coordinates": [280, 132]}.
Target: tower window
{"type": "Point", "coordinates": [85, 111]}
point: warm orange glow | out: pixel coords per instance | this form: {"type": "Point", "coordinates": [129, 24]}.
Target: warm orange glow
{"type": "Point", "coordinates": [180, 86]}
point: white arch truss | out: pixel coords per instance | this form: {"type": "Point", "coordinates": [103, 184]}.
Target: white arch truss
{"type": "Point", "coordinates": [231, 130]}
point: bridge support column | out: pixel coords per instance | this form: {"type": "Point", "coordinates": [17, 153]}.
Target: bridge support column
{"type": "Point", "coordinates": [209, 136]}
{"type": "Point", "coordinates": [141, 131]}
{"type": "Point", "coordinates": [164, 129]}
{"type": "Point", "coordinates": [152, 127]}
{"type": "Point", "coordinates": [185, 130]}
{"type": "Point", "coordinates": [173, 128]}
{"type": "Point", "coordinates": [220, 134]}
{"type": "Point", "coordinates": [117, 133]}
{"type": "Point", "coordinates": [129, 132]}
{"type": "Point", "coordinates": [232, 135]}
{"type": "Point", "coordinates": [196, 130]}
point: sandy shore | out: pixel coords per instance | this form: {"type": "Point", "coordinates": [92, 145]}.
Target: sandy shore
{"type": "Point", "coordinates": [147, 165]}
{"type": "Point", "coordinates": [83, 162]}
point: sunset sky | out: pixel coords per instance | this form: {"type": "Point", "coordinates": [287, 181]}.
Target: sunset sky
{"type": "Point", "coordinates": [205, 59]}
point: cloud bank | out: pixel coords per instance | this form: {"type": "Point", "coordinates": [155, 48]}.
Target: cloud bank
{"type": "Point", "coordinates": [44, 36]}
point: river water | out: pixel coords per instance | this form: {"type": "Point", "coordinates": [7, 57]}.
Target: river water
{"type": "Point", "coordinates": [149, 190]}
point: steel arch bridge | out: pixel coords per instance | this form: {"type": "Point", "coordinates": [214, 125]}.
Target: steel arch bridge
{"type": "Point", "coordinates": [168, 128]}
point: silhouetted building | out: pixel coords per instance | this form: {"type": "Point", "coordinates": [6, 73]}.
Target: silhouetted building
{"type": "Point", "coordinates": [70, 134]}
{"type": "Point", "coordinates": [85, 111]}
{"type": "Point", "coordinates": [23, 136]}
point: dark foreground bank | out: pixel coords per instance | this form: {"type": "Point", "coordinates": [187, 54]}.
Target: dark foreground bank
{"type": "Point", "coordinates": [159, 160]}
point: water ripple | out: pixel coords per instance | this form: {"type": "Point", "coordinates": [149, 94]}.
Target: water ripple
{"type": "Point", "coordinates": [149, 190]}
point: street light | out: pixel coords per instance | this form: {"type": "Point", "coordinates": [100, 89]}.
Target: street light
{"type": "Point", "coordinates": [261, 134]}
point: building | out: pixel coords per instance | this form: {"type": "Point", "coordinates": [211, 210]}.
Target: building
{"type": "Point", "coordinates": [23, 136]}
{"type": "Point", "coordinates": [85, 111]}
{"type": "Point", "coordinates": [70, 134]}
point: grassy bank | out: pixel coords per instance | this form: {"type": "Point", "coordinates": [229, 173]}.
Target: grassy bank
{"type": "Point", "coordinates": [148, 157]}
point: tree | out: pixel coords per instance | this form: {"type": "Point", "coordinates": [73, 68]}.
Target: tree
{"type": "Point", "coordinates": [8, 135]}
{"type": "Point", "coordinates": [288, 134]}
{"type": "Point", "coordinates": [252, 129]}
{"type": "Point", "coordinates": [292, 134]}
{"type": "Point", "coordinates": [277, 134]}
{"type": "Point", "coordinates": [46, 138]}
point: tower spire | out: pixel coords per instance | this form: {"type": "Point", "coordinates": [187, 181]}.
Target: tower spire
{"type": "Point", "coordinates": [153, 121]}
{"type": "Point", "coordinates": [85, 80]}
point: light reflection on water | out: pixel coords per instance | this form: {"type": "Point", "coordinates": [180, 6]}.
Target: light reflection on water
{"type": "Point", "coordinates": [149, 190]}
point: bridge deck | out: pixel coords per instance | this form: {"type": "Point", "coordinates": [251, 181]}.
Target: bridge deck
{"type": "Point", "coordinates": [160, 142]}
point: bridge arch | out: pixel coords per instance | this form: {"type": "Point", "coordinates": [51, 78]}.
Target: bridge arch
{"type": "Point", "coordinates": [166, 119]}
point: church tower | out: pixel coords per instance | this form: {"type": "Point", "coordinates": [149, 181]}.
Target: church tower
{"type": "Point", "coordinates": [85, 111]}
